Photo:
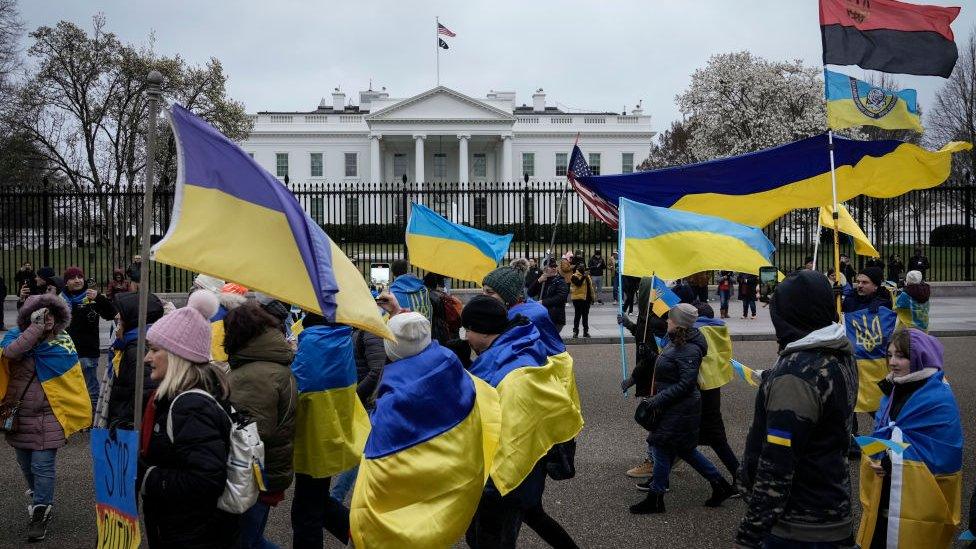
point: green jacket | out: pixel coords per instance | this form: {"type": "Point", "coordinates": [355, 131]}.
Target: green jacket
{"type": "Point", "coordinates": [262, 386]}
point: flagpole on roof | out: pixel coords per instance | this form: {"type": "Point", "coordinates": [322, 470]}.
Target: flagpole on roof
{"type": "Point", "coordinates": [437, 46]}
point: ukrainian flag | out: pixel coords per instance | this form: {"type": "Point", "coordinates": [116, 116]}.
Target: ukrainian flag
{"type": "Point", "coordinates": [235, 221]}
{"type": "Point", "coordinates": [872, 445]}
{"type": "Point", "coordinates": [453, 250]}
{"type": "Point", "coordinates": [716, 367]}
{"type": "Point", "coordinates": [756, 188]}
{"type": "Point", "coordinates": [847, 225]}
{"type": "Point", "coordinates": [331, 424]}
{"type": "Point", "coordinates": [662, 298]}
{"type": "Point", "coordinates": [925, 504]}
{"type": "Point", "coordinates": [745, 373]}
{"type": "Point", "coordinates": [870, 334]}
{"type": "Point", "coordinates": [852, 103]}
{"type": "Point", "coordinates": [560, 358]}
{"type": "Point", "coordinates": [536, 408]}
{"type": "Point", "coordinates": [675, 244]}
{"type": "Point", "coordinates": [59, 372]}
{"type": "Point", "coordinates": [435, 430]}
{"type": "Point", "coordinates": [217, 351]}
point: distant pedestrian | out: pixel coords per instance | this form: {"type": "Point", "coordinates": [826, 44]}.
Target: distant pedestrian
{"type": "Point", "coordinates": [118, 285]}
{"type": "Point", "coordinates": [631, 284]}
{"type": "Point", "coordinates": [441, 305]}
{"type": "Point", "coordinates": [583, 294]}
{"type": "Point", "coordinates": [725, 281]}
{"type": "Point", "coordinates": [748, 287]}
{"type": "Point", "coordinates": [847, 269]}
{"type": "Point", "coordinates": [25, 277]}
{"type": "Point", "coordinates": [699, 283]}
{"type": "Point", "coordinates": [134, 271]}
{"type": "Point", "coordinates": [597, 266]}
{"type": "Point", "coordinates": [896, 270]}
{"type": "Point", "coordinates": [553, 292]}
{"type": "Point", "coordinates": [614, 275]}
{"type": "Point", "coordinates": [919, 262]}
{"type": "Point", "coordinates": [531, 275]}
{"type": "Point", "coordinates": [912, 304]}
{"type": "Point", "coordinates": [43, 279]}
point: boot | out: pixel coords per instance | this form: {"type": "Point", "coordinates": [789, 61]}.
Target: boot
{"type": "Point", "coordinates": [575, 334]}
{"type": "Point", "coordinates": [586, 334]}
{"type": "Point", "coordinates": [652, 504]}
{"type": "Point", "coordinates": [724, 313]}
{"type": "Point", "coordinates": [721, 491]}
{"type": "Point", "coordinates": [40, 515]}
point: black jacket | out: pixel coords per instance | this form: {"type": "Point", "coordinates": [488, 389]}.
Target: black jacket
{"type": "Point", "coordinates": [597, 265]}
{"type": "Point", "coordinates": [84, 324]}
{"type": "Point", "coordinates": [553, 294]}
{"type": "Point", "coordinates": [370, 357]}
{"type": "Point", "coordinates": [184, 479]}
{"type": "Point", "coordinates": [676, 393]}
{"type": "Point", "coordinates": [122, 397]}
{"type": "Point", "coordinates": [531, 276]}
{"type": "Point", "coordinates": [855, 302]}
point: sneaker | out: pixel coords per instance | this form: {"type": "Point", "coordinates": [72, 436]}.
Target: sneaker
{"type": "Point", "coordinates": [644, 470]}
{"type": "Point", "coordinates": [39, 517]}
{"type": "Point", "coordinates": [646, 486]}
{"type": "Point", "coordinates": [586, 334]}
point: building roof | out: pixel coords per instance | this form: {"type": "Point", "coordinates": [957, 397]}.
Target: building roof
{"type": "Point", "coordinates": [527, 109]}
{"type": "Point", "coordinates": [350, 109]}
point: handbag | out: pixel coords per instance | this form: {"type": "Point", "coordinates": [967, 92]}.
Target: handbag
{"type": "Point", "coordinates": [8, 411]}
{"type": "Point", "coordinates": [646, 415]}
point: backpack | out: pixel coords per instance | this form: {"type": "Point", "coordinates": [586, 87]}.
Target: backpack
{"type": "Point", "coordinates": [245, 460]}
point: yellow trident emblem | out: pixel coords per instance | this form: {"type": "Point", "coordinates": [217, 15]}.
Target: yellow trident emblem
{"type": "Point", "coordinates": [868, 337]}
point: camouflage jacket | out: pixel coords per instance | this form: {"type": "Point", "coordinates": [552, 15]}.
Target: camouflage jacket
{"type": "Point", "coordinates": [795, 470]}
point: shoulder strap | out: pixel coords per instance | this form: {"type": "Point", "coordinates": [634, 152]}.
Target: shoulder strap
{"type": "Point", "coordinates": [26, 387]}
{"type": "Point", "coordinates": [169, 414]}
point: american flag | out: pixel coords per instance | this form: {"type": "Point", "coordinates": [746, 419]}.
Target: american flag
{"type": "Point", "coordinates": [441, 29]}
{"type": "Point", "coordinates": [599, 208]}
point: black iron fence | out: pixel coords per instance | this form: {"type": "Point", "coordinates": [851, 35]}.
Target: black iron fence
{"type": "Point", "coordinates": [100, 231]}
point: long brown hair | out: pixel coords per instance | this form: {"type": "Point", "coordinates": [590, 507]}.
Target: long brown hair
{"type": "Point", "coordinates": [902, 340]}
{"type": "Point", "coordinates": [679, 336]}
{"type": "Point", "coordinates": [245, 323]}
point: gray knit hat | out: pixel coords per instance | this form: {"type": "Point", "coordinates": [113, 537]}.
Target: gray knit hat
{"type": "Point", "coordinates": [508, 283]}
{"type": "Point", "coordinates": [684, 315]}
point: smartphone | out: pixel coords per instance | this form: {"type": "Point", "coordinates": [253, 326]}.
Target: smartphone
{"type": "Point", "coordinates": [768, 279]}
{"type": "Point", "coordinates": [379, 273]}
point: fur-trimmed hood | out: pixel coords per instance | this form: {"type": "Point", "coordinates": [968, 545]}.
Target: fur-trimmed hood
{"type": "Point", "coordinates": [55, 305]}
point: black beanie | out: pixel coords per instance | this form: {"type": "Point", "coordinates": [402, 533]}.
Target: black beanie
{"type": "Point", "coordinates": [801, 304]}
{"type": "Point", "coordinates": [485, 315]}
{"type": "Point", "coordinates": [874, 273]}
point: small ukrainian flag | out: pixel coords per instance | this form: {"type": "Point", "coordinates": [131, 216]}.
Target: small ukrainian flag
{"type": "Point", "coordinates": [779, 437]}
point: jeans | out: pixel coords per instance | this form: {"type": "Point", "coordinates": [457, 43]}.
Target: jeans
{"type": "Point", "coordinates": [616, 288]}
{"type": "Point", "coordinates": [597, 283]}
{"type": "Point", "coordinates": [662, 467]}
{"type": "Point", "coordinates": [89, 367]}
{"type": "Point", "coordinates": [776, 542]}
{"type": "Point", "coordinates": [253, 522]}
{"type": "Point", "coordinates": [38, 469]}
{"type": "Point", "coordinates": [497, 521]}
{"type": "Point", "coordinates": [748, 304]}
{"type": "Point", "coordinates": [724, 296]}
{"type": "Point", "coordinates": [581, 309]}
{"type": "Point", "coordinates": [344, 482]}
{"type": "Point", "coordinates": [312, 510]}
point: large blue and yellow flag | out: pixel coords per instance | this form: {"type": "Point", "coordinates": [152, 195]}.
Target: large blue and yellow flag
{"type": "Point", "coordinates": [560, 358]}
{"type": "Point", "coordinates": [435, 430]}
{"type": "Point", "coordinates": [870, 333]}
{"type": "Point", "coordinates": [756, 188]}
{"type": "Point", "coordinates": [675, 244]}
{"type": "Point", "coordinates": [235, 221]}
{"type": "Point", "coordinates": [924, 505]}
{"type": "Point", "coordinates": [458, 251]}
{"type": "Point", "coordinates": [331, 424]}
{"type": "Point", "coordinates": [537, 410]}
{"type": "Point", "coordinates": [852, 103]}
{"type": "Point", "coordinates": [59, 372]}
{"type": "Point", "coordinates": [716, 367]}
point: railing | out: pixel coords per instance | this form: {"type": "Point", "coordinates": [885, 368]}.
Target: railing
{"type": "Point", "coordinates": [99, 232]}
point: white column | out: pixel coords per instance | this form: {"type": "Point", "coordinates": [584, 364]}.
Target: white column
{"type": "Point", "coordinates": [375, 175]}
{"type": "Point", "coordinates": [463, 175]}
{"type": "Point", "coordinates": [418, 170]}
{"type": "Point", "coordinates": [506, 159]}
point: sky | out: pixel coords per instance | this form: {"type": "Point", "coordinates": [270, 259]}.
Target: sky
{"type": "Point", "coordinates": [285, 55]}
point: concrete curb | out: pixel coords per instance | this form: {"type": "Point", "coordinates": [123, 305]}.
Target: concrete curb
{"type": "Point", "coordinates": [603, 340]}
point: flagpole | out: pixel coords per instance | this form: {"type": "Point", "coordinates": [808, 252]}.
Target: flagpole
{"type": "Point", "coordinates": [559, 212]}
{"type": "Point", "coordinates": [620, 299]}
{"type": "Point", "coordinates": [836, 215]}
{"type": "Point", "coordinates": [816, 241]}
{"type": "Point", "coordinates": [437, 46]}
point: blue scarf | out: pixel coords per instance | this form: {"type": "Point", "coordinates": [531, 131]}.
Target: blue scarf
{"type": "Point", "coordinates": [77, 299]}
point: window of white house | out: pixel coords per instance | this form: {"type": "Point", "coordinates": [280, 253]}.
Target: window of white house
{"type": "Point", "coordinates": [281, 164]}
{"type": "Point", "coordinates": [352, 210]}
{"type": "Point", "coordinates": [479, 165]}
{"type": "Point", "coordinates": [528, 164]}
{"type": "Point", "coordinates": [315, 164]}
{"type": "Point", "coordinates": [595, 163]}
{"type": "Point", "coordinates": [562, 161]}
{"type": "Point", "coordinates": [400, 165]}
{"type": "Point", "coordinates": [627, 163]}
{"type": "Point", "coordinates": [317, 209]}
{"type": "Point", "coordinates": [480, 211]}
{"type": "Point", "coordinates": [352, 165]}
{"type": "Point", "coordinates": [440, 165]}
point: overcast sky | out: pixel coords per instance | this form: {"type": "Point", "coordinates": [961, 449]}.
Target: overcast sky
{"type": "Point", "coordinates": [288, 54]}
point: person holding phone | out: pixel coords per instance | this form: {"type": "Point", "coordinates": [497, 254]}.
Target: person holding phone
{"type": "Point", "coordinates": [87, 306]}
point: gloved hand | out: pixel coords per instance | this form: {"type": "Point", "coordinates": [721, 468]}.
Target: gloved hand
{"type": "Point", "coordinates": [620, 319]}
{"type": "Point", "coordinates": [38, 316]}
{"type": "Point", "coordinates": [627, 384]}
{"type": "Point", "coordinates": [837, 290]}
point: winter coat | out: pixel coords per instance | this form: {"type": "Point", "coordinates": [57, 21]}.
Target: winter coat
{"type": "Point", "coordinates": [918, 263]}
{"type": "Point", "coordinates": [35, 427]}
{"type": "Point", "coordinates": [181, 480]}
{"type": "Point", "coordinates": [411, 294]}
{"type": "Point", "coordinates": [856, 302]}
{"type": "Point", "coordinates": [84, 321]}
{"type": "Point", "coordinates": [647, 351]}
{"type": "Point", "coordinates": [439, 329]}
{"type": "Point", "coordinates": [118, 284]}
{"type": "Point", "coordinates": [263, 387]}
{"type": "Point", "coordinates": [747, 286]}
{"type": "Point", "coordinates": [25, 277]}
{"type": "Point", "coordinates": [531, 276]}
{"type": "Point", "coordinates": [552, 294]}
{"type": "Point", "coordinates": [565, 269]}
{"type": "Point", "coordinates": [597, 265]}
{"type": "Point", "coordinates": [370, 359]}
{"type": "Point", "coordinates": [122, 397]}
{"type": "Point", "coordinates": [711, 429]}
{"type": "Point", "coordinates": [581, 288]}
{"type": "Point", "coordinates": [676, 395]}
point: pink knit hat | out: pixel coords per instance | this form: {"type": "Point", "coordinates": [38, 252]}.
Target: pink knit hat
{"type": "Point", "coordinates": [186, 332]}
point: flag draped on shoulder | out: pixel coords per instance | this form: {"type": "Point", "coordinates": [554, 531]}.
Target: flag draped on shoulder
{"type": "Point", "coordinates": [458, 251]}
{"type": "Point", "coordinates": [234, 220]}
{"type": "Point", "coordinates": [847, 225]}
{"type": "Point", "coordinates": [331, 424]}
{"type": "Point", "coordinates": [435, 430]}
{"type": "Point", "coordinates": [870, 333]}
{"type": "Point", "coordinates": [926, 476]}
{"type": "Point", "coordinates": [555, 349]}
{"type": "Point", "coordinates": [911, 312]}
{"type": "Point", "coordinates": [59, 371]}
{"type": "Point", "coordinates": [756, 188]}
{"type": "Point", "coordinates": [536, 408]}
{"type": "Point", "coordinates": [889, 36]}
{"type": "Point", "coordinates": [716, 367]}
{"type": "Point", "coordinates": [675, 244]}
{"type": "Point", "coordinates": [852, 102]}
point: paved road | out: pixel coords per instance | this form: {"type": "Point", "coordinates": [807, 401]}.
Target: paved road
{"type": "Point", "coordinates": [592, 506]}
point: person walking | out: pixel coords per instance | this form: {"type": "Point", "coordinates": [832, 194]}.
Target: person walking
{"type": "Point", "coordinates": [583, 295]}
{"type": "Point", "coordinates": [912, 304]}
{"type": "Point", "coordinates": [552, 291]}
{"type": "Point", "coordinates": [186, 434]}
{"type": "Point", "coordinates": [919, 262]}
{"type": "Point", "coordinates": [121, 400]}
{"type": "Point", "coordinates": [87, 306]}
{"type": "Point", "coordinates": [263, 387]}
{"type": "Point", "coordinates": [748, 286]}
{"type": "Point", "coordinates": [37, 432]}
{"type": "Point", "coordinates": [918, 408]}
{"type": "Point", "coordinates": [597, 267]}
{"type": "Point", "coordinates": [726, 280]}
{"type": "Point", "coordinates": [794, 471]}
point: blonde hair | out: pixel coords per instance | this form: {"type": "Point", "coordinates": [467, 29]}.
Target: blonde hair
{"type": "Point", "coordinates": [183, 375]}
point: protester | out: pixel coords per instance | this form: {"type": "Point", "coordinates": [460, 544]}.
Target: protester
{"type": "Point", "coordinates": [794, 470]}
{"type": "Point", "coordinates": [25, 277]}
{"type": "Point", "coordinates": [118, 284]}
{"type": "Point", "coordinates": [134, 271]}
{"type": "Point", "coordinates": [699, 283]}
{"type": "Point", "coordinates": [612, 273]}
{"type": "Point", "coordinates": [44, 282]}
{"type": "Point", "coordinates": [895, 269]}
{"type": "Point", "coordinates": [552, 291]}
{"type": "Point", "coordinates": [441, 305]}
{"type": "Point", "coordinates": [121, 402]}
{"type": "Point", "coordinates": [912, 304]}
{"type": "Point", "coordinates": [531, 275]}
{"type": "Point", "coordinates": [182, 476]}
{"type": "Point", "coordinates": [748, 286]}
{"type": "Point", "coordinates": [37, 431]}
{"type": "Point", "coordinates": [566, 266]}
{"type": "Point", "coordinates": [87, 306]}
{"type": "Point", "coordinates": [726, 279]}
{"type": "Point", "coordinates": [583, 294]}
{"type": "Point", "coordinates": [868, 292]}
{"type": "Point", "coordinates": [847, 269]}
{"type": "Point", "coordinates": [409, 290]}
{"type": "Point", "coordinates": [630, 291]}
{"type": "Point", "coordinates": [919, 262]}
{"type": "Point", "coordinates": [263, 388]}
{"type": "Point", "coordinates": [597, 267]}
{"type": "Point", "coordinates": [918, 409]}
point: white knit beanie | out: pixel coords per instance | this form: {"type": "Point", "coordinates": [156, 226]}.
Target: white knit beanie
{"type": "Point", "coordinates": [412, 332]}
{"type": "Point", "coordinates": [913, 277]}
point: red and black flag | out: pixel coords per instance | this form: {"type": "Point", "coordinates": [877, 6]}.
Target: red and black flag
{"type": "Point", "coordinates": [889, 36]}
